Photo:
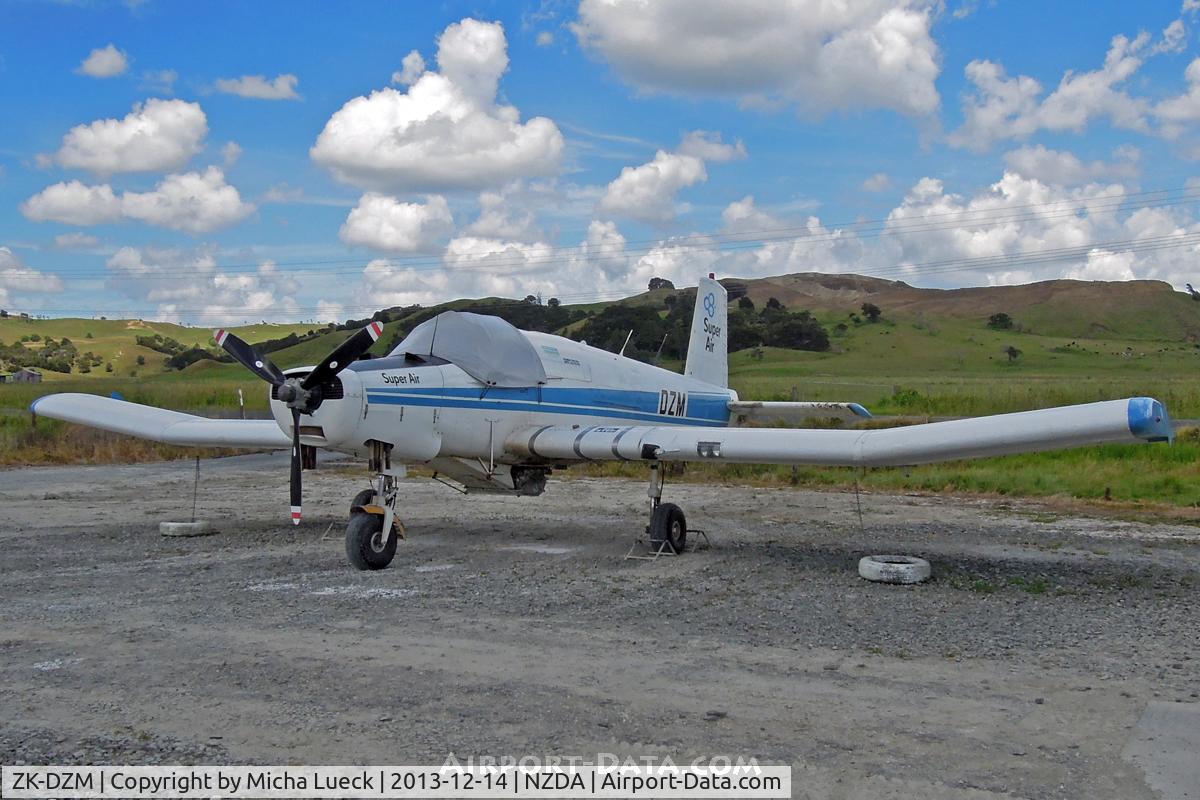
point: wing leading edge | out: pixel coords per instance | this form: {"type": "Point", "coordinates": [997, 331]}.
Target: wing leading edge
{"type": "Point", "coordinates": [1136, 419]}
{"type": "Point", "coordinates": [159, 424]}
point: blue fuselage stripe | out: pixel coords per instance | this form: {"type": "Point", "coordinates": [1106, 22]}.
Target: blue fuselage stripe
{"type": "Point", "coordinates": [702, 409]}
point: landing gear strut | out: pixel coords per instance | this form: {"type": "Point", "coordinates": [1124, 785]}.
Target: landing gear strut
{"type": "Point", "coordinates": [668, 527]}
{"type": "Point", "coordinates": [373, 528]}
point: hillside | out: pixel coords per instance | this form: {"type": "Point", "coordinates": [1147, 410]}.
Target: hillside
{"type": "Point", "coordinates": [1077, 309]}
{"type": "Point", "coordinates": [1063, 327]}
{"type": "Point", "coordinates": [114, 341]}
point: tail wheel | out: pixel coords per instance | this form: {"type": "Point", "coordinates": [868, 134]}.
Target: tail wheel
{"type": "Point", "coordinates": [367, 547]}
{"type": "Point", "coordinates": [667, 524]}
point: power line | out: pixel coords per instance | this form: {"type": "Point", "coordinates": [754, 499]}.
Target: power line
{"type": "Point", "coordinates": [937, 267]}
{"type": "Point", "coordinates": [721, 242]}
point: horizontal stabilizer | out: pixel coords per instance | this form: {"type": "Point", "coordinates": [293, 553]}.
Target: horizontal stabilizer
{"type": "Point", "coordinates": [793, 412]}
{"type": "Point", "coordinates": [159, 424]}
{"type": "Point", "coordinates": [1137, 419]}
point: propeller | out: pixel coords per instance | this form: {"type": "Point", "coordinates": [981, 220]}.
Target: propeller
{"type": "Point", "coordinates": [301, 394]}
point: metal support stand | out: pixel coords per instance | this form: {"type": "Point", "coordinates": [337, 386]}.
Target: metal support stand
{"type": "Point", "coordinates": [196, 488]}
{"type": "Point", "coordinates": [650, 553]}
{"type": "Point", "coordinates": [654, 491]}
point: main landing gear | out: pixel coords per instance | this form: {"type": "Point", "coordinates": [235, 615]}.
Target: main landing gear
{"type": "Point", "coordinates": [374, 528]}
{"type": "Point", "coordinates": [668, 528]}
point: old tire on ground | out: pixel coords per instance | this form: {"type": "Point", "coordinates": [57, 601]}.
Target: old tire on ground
{"type": "Point", "coordinates": [366, 546]}
{"type": "Point", "coordinates": [894, 569]}
{"type": "Point", "coordinates": [667, 524]}
{"type": "Point", "coordinates": [199, 527]}
{"type": "Point", "coordinates": [361, 499]}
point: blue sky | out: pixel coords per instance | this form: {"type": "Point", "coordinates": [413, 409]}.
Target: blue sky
{"type": "Point", "coordinates": [220, 162]}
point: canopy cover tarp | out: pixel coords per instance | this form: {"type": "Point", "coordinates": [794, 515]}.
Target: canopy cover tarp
{"type": "Point", "coordinates": [487, 348]}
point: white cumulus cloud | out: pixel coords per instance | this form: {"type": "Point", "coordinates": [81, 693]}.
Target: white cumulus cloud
{"type": "Point", "coordinates": [258, 87]}
{"type": "Point", "coordinates": [189, 286]}
{"type": "Point", "coordinates": [819, 56]}
{"type": "Point", "coordinates": [157, 135]}
{"type": "Point", "coordinates": [15, 276]}
{"type": "Point", "coordinates": [193, 202]}
{"type": "Point", "coordinates": [447, 131]}
{"type": "Point", "coordinates": [104, 62]}
{"type": "Point", "coordinates": [381, 222]}
{"type": "Point", "coordinates": [648, 192]}
{"type": "Point", "coordinates": [1067, 169]}
{"type": "Point", "coordinates": [411, 68]}
{"type": "Point", "coordinates": [1001, 107]}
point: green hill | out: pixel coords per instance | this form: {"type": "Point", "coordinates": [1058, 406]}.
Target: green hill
{"type": "Point", "coordinates": [115, 340]}
{"type": "Point", "coordinates": [933, 349]}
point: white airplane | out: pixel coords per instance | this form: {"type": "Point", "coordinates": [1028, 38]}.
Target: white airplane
{"type": "Point", "coordinates": [497, 409]}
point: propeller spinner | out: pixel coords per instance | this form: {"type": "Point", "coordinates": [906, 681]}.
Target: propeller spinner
{"type": "Point", "coordinates": [302, 394]}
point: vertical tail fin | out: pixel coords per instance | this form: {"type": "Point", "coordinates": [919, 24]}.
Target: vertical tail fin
{"type": "Point", "coordinates": [708, 348]}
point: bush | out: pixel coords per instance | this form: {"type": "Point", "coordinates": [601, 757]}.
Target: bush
{"type": "Point", "coordinates": [1000, 321]}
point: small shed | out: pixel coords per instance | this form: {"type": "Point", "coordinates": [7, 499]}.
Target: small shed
{"type": "Point", "coordinates": [5, 377]}
{"type": "Point", "coordinates": [26, 375]}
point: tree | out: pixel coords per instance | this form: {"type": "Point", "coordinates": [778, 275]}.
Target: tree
{"type": "Point", "coordinates": [746, 303]}
{"type": "Point", "coordinates": [872, 312]}
{"type": "Point", "coordinates": [1012, 353]}
{"type": "Point", "coordinates": [1000, 321]}
{"type": "Point", "coordinates": [553, 302]}
{"type": "Point", "coordinates": [774, 304]}
{"type": "Point", "coordinates": [659, 283]}
{"type": "Point", "coordinates": [531, 300]}
{"type": "Point", "coordinates": [141, 361]}
{"type": "Point", "coordinates": [798, 332]}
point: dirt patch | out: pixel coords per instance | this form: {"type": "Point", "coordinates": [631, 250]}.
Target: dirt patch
{"type": "Point", "coordinates": [512, 626]}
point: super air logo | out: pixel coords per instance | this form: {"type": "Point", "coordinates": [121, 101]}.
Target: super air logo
{"type": "Point", "coordinates": [672, 403]}
{"type": "Point", "coordinates": [402, 378]}
{"type": "Point", "coordinates": [712, 331]}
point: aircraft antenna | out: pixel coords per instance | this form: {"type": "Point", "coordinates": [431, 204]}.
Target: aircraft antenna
{"type": "Point", "coordinates": [660, 347]}
{"type": "Point", "coordinates": [627, 338]}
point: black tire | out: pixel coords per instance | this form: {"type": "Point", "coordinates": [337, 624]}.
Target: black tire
{"type": "Point", "coordinates": [667, 524]}
{"type": "Point", "coordinates": [361, 499]}
{"type": "Point", "coordinates": [365, 544]}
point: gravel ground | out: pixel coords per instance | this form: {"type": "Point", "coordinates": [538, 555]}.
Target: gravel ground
{"type": "Point", "coordinates": [1051, 656]}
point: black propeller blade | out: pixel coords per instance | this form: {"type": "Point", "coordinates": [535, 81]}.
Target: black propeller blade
{"type": "Point", "coordinates": [249, 358]}
{"type": "Point", "coordinates": [300, 395]}
{"type": "Point", "coordinates": [345, 353]}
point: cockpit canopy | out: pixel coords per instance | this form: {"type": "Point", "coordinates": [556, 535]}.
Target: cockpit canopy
{"type": "Point", "coordinates": [487, 348]}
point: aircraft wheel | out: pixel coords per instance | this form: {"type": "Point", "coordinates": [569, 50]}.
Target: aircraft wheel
{"type": "Point", "coordinates": [366, 545]}
{"type": "Point", "coordinates": [667, 524]}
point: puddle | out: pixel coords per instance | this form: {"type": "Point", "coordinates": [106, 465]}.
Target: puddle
{"type": "Point", "coordinates": [55, 664]}
{"type": "Point", "coordinates": [269, 586]}
{"type": "Point", "coordinates": [362, 592]}
{"type": "Point", "coordinates": [544, 549]}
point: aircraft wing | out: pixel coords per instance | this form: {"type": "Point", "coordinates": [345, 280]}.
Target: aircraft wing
{"type": "Point", "coordinates": [1136, 419]}
{"type": "Point", "coordinates": [159, 424]}
{"type": "Point", "coordinates": [794, 412]}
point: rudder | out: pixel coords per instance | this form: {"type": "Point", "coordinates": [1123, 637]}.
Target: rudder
{"type": "Point", "coordinates": [708, 347]}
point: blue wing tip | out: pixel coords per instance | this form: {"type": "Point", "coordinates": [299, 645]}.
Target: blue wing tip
{"type": "Point", "coordinates": [1148, 419]}
{"type": "Point", "coordinates": [860, 410]}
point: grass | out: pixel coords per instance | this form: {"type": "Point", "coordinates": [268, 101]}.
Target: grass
{"type": "Point", "coordinates": [944, 367]}
{"type": "Point", "coordinates": [54, 442]}
{"type": "Point", "coordinates": [1117, 475]}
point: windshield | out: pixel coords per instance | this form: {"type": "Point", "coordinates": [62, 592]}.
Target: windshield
{"type": "Point", "coordinates": [487, 348]}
